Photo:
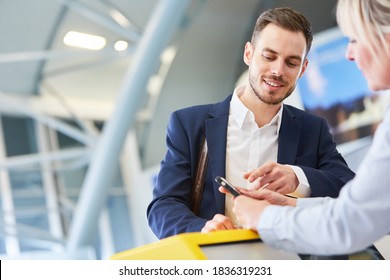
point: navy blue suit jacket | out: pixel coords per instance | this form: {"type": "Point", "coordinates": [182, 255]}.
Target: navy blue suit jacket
{"type": "Point", "coordinates": [304, 141]}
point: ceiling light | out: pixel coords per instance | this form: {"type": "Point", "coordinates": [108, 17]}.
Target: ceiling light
{"type": "Point", "coordinates": [120, 18]}
{"type": "Point", "coordinates": [83, 40]}
{"type": "Point", "coordinates": [120, 45]}
{"type": "Point", "coordinates": [169, 54]}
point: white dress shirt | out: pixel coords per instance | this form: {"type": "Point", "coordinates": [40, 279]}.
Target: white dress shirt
{"type": "Point", "coordinates": [352, 222]}
{"type": "Point", "coordinates": [248, 147]}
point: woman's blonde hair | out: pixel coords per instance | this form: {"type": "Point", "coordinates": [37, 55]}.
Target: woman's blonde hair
{"type": "Point", "coordinates": [367, 21]}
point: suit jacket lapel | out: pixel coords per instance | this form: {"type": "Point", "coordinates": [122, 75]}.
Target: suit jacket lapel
{"type": "Point", "coordinates": [216, 135]}
{"type": "Point", "coordinates": [289, 135]}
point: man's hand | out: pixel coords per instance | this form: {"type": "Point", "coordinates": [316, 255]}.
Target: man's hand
{"type": "Point", "coordinates": [267, 195]}
{"type": "Point", "coordinates": [273, 176]}
{"type": "Point", "coordinates": [270, 196]}
{"type": "Point", "coordinates": [219, 222]}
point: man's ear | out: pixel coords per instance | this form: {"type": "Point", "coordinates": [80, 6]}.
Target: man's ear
{"type": "Point", "coordinates": [304, 66]}
{"type": "Point", "coordinates": [248, 52]}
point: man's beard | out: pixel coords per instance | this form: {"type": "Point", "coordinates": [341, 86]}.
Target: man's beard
{"type": "Point", "coordinates": [271, 100]}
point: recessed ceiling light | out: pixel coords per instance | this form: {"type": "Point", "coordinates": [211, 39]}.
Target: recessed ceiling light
{"type": "Point", "coordinates": [121, 45]}
{"type": "Point", "coordinates": [83, 40]}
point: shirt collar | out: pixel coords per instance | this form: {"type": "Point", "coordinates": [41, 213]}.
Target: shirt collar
{"type": "Point", "coordinates": [241, 113]}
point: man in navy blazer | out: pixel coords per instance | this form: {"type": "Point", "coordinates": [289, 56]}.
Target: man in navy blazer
{"type": "Point", "coordinates": [304, 140]}
{"type": "Point", "coordinates": [277, 58]}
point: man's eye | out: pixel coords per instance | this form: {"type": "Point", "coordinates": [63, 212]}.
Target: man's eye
{"type": "Point", "coordinates": [292, 64]}
{"type": "Point", "coordinates": [266, 57]}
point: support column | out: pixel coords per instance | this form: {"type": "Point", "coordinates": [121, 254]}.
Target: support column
{"type": "Point", "coordinates": [162, 25]}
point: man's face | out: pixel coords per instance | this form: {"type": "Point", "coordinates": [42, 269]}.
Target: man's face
{"type": "Point", "coordinates": [275, 63]}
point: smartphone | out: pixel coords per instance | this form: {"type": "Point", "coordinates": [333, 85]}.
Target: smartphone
{"type": "Point", "coordinates": [224, 183]}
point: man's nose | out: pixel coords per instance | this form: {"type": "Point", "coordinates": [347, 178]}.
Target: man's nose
{"type": "Point", "coordinates": [277, 68]}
